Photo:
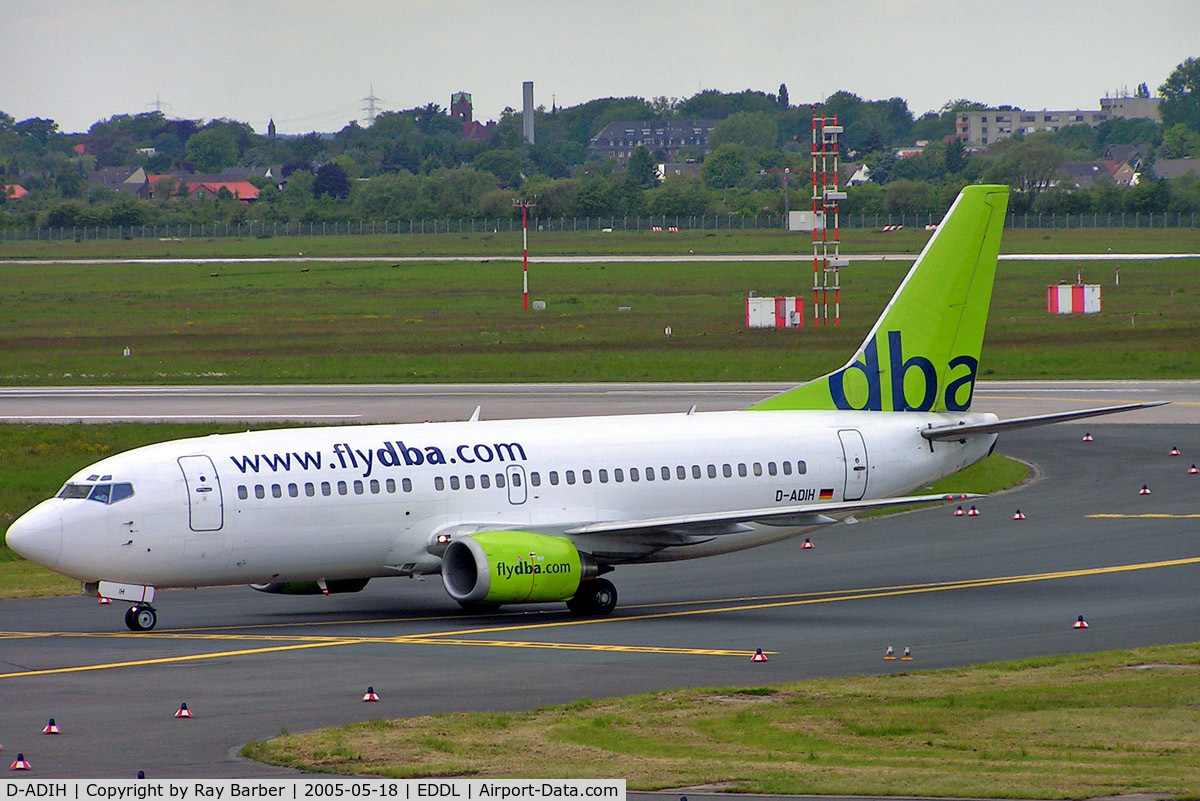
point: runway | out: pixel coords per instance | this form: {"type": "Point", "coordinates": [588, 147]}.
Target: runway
{"type": "Point", "coordinates": [956, 591]}
{"type": "Point", "coordinates": [341, 404]}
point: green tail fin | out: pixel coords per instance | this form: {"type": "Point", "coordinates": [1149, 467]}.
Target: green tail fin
{"type": "Point", "coordinates": [923, 353]}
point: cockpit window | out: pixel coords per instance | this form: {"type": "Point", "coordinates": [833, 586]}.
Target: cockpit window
{"type": "Point", "coordinates": [101, 493]}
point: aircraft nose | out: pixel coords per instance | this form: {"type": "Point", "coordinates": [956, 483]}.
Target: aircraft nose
{"type": "Point", "coordinates": [37, 535]}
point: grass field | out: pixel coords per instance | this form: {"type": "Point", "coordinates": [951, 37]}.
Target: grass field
{"type": "Point", "coordinates": [544, 243]}
{"type": "Point", "coordinates": [430, 322]}
{"type": "Point", "coordinates": [1055, 727]}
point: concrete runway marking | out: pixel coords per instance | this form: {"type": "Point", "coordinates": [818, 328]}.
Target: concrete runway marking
{"type": "Point", "coordinates": [1147, 515]}
{"type": "Point", "coordinates": [460, 636]}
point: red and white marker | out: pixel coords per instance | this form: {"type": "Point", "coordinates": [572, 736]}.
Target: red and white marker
{"type": "Point", "coordinates": [1087, 437]}
{"type": "Point", "coordinates": [889, 655]}
{"type": "Point", "coordinates": [907, 655]}
{"type": "Point", "coordinates": [20, 763]}
{"type": "Point", "coordinates": [1174, 452]}
{"type": "Point", "coordinates": [369, 696]}
{"type": "Point", "coordinates": [959, 512]}
{"type": "Point", "coordinates": [972, 512]}
{"type": "Point", "coordinates": [51, 728]}
{"type": "Point", "coordinates": [807, 546]}
{"type": "Point", "coordinates": [1193, 470]}
{"type": "Point", "coordinates": [104, 601]}
{"type": "Point", "coordinates": [183, 711]}
{"type": "Point", "coordinates": [1080, 623]}
{"type": "Point", "coordinates": [1145, 490]}
{"type": "Point", "coordinates": [759, 656]}
{"type": "Point", "coordinates": [1018, 515]}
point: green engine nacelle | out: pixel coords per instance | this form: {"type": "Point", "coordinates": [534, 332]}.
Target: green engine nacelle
{"type": "Point", "coordinates": [513, 567]}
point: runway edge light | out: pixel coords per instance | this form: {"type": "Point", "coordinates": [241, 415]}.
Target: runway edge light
{"type": "Point", "coordinates": [1018, 515]}
{"type": "Point", "coordinates": [889, 655]}
{"type": "Point", "coordinates": [1174, 451]}
{"type": "Point", "coordinates": [1145, 490]}
{"type": "Point", "coordinates": [51, 728]}
{"type": "Point", "coordinates": [1087, 437]}
{"type": "Point", "coordinates": [972, 512]}
{"type": "Point", "coordinates": [183, 711]}
{"type": "Point", "coordinates": [370, 696]}
{"type": "Point", "coordinates": [907, 655]}
{"type": "Point", "coordinates": [1080, 623]}
{"type": "Point", "coordinates": [759, 656]}
{"type": "Point", "coordinates": [959, 512]}
{"type": "Point", "coordinates": [807, 546]}
{"type": "Point", "coordinates": [1193, 470]}
{"type": "Point", "coordinates": [20, 764]}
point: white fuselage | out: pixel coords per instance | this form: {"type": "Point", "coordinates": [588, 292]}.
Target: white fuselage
{"type": "Point", "coordinates": [365, 501]}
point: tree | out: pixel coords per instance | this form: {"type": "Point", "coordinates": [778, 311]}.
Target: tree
{"type": "Point", "coordinates": [753, 129]}
{"type": "Point", "coordinates": [1179, 142]}
{"type": "Point", "coordinates": [211, 150]}
{"type": "Point", "coordinates": [331, 179]}
{"type": "Point", "coordinates": [1181, 95]}
{"type": "Point", "coordinates": [783, 96]}
{"type": "Point", "coordinates": [1028, 166]}
{"type": "Point", "coordinates": [643, 170]}
{"type": "Point", "coordinates": [726, 167]}
{"type": "Point", "coordinates": [504, 164]}
{"type": "Point", "coordinates": [956, 156]}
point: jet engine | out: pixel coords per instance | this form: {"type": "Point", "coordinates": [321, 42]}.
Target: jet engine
{"type": "Point", "coordinates": [506, 567]}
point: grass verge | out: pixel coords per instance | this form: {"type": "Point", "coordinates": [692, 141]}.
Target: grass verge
{"type": "Point", "coordinates": [1052, 727]}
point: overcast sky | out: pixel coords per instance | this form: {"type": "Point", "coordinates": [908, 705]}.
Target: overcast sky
{"type": "Point", "coordinates": [309, 63]}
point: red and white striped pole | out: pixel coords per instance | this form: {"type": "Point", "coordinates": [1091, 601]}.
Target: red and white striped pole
{"type": "Point", "coordinates": [525, 252]}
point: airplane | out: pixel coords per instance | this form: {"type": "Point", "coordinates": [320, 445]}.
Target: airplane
{"type": "Point", "coordinates": [537, 511]}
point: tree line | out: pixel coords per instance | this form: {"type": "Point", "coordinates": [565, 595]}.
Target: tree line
{"type": "Point", "coordinates": [418, 164]}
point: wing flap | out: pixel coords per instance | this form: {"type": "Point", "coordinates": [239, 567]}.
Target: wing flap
{"type": "Point", "coordinates": [713, 522]}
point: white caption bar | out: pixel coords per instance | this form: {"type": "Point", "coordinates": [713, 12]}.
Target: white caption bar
{"type": "Point", "coordinates": [315, 789]}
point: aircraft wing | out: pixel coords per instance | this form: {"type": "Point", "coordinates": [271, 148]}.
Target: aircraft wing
{"type": "Point", "coordinates": [953, 432]}
{"type": "Point", "coordinates": [812, 514]}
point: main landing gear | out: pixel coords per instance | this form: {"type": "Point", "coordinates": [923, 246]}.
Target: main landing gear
{"type": "Point", "coordinates": [140, 617]}
{"type": "Point", "coordinates": [594, 597]}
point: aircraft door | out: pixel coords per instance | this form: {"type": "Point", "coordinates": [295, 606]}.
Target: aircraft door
{"type": "Point", "coordinates": [517, 492]}
{"type": "Point", "coordinates": [855, 452]}
{"type": "Point", "coordinates": [205, 508]}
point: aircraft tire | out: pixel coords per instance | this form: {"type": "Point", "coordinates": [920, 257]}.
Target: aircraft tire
{"type": "Point", "coordinates": [140, 618]}
{"type": "Point", "coordinates": [595, 597]}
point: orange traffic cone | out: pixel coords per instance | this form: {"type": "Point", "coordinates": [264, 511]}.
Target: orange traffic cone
{"type": "Point", "coordinates": [889, 654]}
{"type": "Point", "coordinates": [759, 656]}
{"type": "Point", "coordinates": [1018, 515]}
{"type": "Point", "coordinates": [20, 763]}
{"type": "Point", "coordinates": [1145, 490]}
{"type": "Point", "coordinates": [907, 655]}
{"type": "Point", "coordinates": [807, 546]}
{"type": "Point", "coordinates": [959, 512]}
{"type": "Point", "coordinates": [51, 728]}
{"type": "Point", "coordinates": [370, 695]}
{"type": "Point", "coordinates": [1080, 623]}
{"type": "Point", "coordinates": [183, 711]}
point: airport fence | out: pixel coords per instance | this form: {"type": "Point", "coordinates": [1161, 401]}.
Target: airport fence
{"type": "Point", "coordinates": [658, 223]}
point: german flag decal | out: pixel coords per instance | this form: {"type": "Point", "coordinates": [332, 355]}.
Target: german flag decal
{"type": "Point", "coordinates": [826, 495]}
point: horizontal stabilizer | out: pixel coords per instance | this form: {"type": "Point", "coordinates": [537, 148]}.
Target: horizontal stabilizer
{"type": "Point", "coordinates": [800, 515]}
{"type": "Point", "coordinates": [960, 431]}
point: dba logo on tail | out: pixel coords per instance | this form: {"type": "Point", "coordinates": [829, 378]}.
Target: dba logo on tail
{"type": "Point", "coordinates": [913, 379]}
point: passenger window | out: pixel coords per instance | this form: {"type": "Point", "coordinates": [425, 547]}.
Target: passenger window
{"type": "Point", "coordinates": [100, 493]}
{"type": "Point", "coordinates": [666, 473]}
{"type": "Point", "coordinates": [120, 492]}
{"type": "Point", "coordinates": [554, 478]}
{"type": "Point", "coordinates": [439, 483]}
{"type": "Point", "coordinates": [499, 481]}
{"type": "Point", "coordinates": [453, 482]}
{"type": "Point", "coordinates": [618, 475]}
{"type": "Point", "coordinates": [696, 470]}
{"type": "Point", "coordinates": [516, 479]}
{"type": "Point", "coordinates": [326, 489]}
{"type": "Point", "coordinates": [242, 493]}
{"type": "Point", "coordinates": [341, 488]}
{"type": "Point", "coordinates": [390, 486]}
{"type": "Point", "coordinates": [603, 475]}
{"type": "Point", "coordinates": [535, 479]}
{"type": "Point", "coordinates": [587, 476]}
{"type": "Point", "coordinates": [787, 468]}
{"type": "Point", "coordinates": [469, 482]}
{"type": "Point", "coordinates": [374, 486]}
{"type": "Point", "coordinates": [293, 491]}
{"type": "Point", "coordinates": [741, 469]}
{"type": "Point", "coordinates": [635, 474]}
{"type": "Point", "coordinates": [801, 468]}
{"type": "Point", "coordinates": [310, 489]}
{"type": "Point", "coordinates": [276, 491]}
{"type": "Point", "coordinates": [358, 487]}
{"type": "Point", "coordinates": [712, 471]}
{"type": "Point", "coordinates": [485, 481]}
{"type": "Point", "coordinates": [406, 484]}
{"type": "Point", "coordinates": [757, 469]}
{"type": "Point", "coordinates": [570, 475]}
{"type": "Point", "coordinates": [259, 491]}
{"type": "Point", "coordinates": [772, 468]}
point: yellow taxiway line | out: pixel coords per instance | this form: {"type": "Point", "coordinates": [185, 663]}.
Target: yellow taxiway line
{"type": "Point", "coordinates": [463, 637]}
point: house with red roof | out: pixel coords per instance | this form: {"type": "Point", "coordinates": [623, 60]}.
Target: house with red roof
{"type": "Point", "coordinates": [13, 191]}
